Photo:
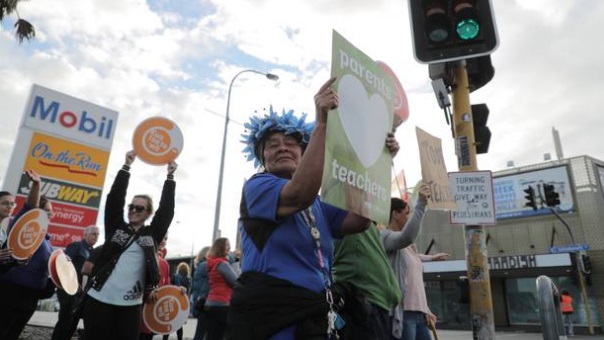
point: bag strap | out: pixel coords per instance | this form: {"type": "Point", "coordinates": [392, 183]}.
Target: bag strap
{"type": "Point", "coordinates": [113, 260]}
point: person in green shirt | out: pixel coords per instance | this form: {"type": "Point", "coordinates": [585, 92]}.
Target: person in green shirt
{"type": "Point", "coordinates": [362, 260]}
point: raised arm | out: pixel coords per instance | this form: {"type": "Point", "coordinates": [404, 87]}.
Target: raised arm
{"type": "Point", "coordinates": [165, 212]}
{"type": "Point", "coordinates": [302, 190]}
{"type": "Point", "coordinates": [394, 240]}
{"type": "Point", "coordinates": [116, 199]}
{"type": "Point", "coordinates": [33, 198]}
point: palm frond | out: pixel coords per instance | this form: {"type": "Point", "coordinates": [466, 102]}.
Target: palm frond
{"type": "Point", "coordinates": [7, 7]}
{"type": "Point", "coordinates": [24, 30]}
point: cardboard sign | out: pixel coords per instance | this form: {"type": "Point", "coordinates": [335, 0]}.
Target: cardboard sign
{"type": "Point", "coordinates": [434, 170]}
{"type": "Point", "coordinates": [169, 312]}
{"type": "Point", "coordinates": [62, 272]}
{"type": "Point", "coordinates": [157, 141]}
{"type": "Point", "coordinates": [28, 233]}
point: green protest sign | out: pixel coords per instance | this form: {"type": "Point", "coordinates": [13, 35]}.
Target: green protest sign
{"type": "Point", "coordinates": [356, 175]}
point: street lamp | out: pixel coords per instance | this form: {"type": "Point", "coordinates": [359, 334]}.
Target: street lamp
{"type": "Point", "coordinates": [269, 76]}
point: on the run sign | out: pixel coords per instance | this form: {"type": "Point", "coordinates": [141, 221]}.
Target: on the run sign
{"type": "Point", "coordinates": [473, 193]}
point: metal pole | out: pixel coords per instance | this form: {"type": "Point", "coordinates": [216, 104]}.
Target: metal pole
{"type": "Point", "coordinates": [216, 231]}
{"type": "Point", "coordinates": [481, 305]}
{"type": "Point", "coordinates": [552, 323]}
{"type": "Point", "coordinates": [580, 272]}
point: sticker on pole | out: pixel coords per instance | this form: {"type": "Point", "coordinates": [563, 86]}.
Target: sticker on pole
{"type": "Point", "coordinates": [28, 233]}
{"type": "Point", "coordinates": [62, 272]}
{"type": "Point", "coordinates": [169, 312]}
{"type": "Point", "coordinates": [157, 141]}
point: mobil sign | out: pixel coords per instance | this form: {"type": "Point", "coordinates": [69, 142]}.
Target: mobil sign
{"type": "Point", "coordinates": [69, 117]}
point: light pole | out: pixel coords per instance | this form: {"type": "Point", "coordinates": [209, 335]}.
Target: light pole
{"type": "Point", "coordinates": [269, 76]}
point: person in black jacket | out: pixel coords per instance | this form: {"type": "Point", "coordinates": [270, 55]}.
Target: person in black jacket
{"type": "Point", "coordinates": [127, 267]}
{"type": "Point", "coordinates": [78, 252]}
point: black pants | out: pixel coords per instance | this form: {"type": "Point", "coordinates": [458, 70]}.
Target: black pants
{"type": "Point", "coordinates": [104, 321]}
{"type": "Point", "coordinates": [377, 327]}
{"type": "Point", "coordinates": [216, 317]}
{"type": "Point", "coordinates": [66, 325]}
{"type": "Point", "coordinates": [179, 334]}
{"type": "Point", "coordinates": [13, 322]}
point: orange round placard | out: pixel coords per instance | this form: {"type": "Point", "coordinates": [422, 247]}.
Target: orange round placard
{"type": "Point", "coordinates": [401, 106]}
{"type": "Point", "coordinates": [169, 312]}
{"type": "Point", "coordinates": [157, 141]}
{"type": "Point", "coordinates": [28, 233]}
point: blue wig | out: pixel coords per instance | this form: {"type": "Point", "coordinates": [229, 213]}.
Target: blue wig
{"type": "Point", "coordinates": [260, 127]}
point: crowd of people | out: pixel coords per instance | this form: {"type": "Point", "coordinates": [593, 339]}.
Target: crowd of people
{"type": "Point", "coordinates": [305, 270]}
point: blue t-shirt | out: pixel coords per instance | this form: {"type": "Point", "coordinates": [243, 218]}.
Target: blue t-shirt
{"type": "Point", "coordinates": [289, 252]}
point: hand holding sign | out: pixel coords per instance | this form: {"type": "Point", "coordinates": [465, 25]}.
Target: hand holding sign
{"type": "Point", "coordinates": [168, 312]}
{"type": "Point", "coordinates": [157, 141]}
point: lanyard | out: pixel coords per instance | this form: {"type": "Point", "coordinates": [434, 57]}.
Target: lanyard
{"type": "Point", "coordinates": [309, 219]}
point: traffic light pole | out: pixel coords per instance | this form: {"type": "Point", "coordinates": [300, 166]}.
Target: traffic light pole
{"type": "Point", "coordinates": [481, 304]}
{"type": "Point", "coordinates": [580, 273]}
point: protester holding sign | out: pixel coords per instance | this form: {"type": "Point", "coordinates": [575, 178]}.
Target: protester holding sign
{"type": "Point", "coordinates": [127, 267]}
{"type": "Point", "coordinates": [285, 289]}
{"type": "Point", "coordinates": [22, 286]}
{"type": "Point", "coordinates": [401, 233]}
{"type": "Point", "coordinates": [78, 252]}
{"type": "Point", "coordinates": [367, 259]}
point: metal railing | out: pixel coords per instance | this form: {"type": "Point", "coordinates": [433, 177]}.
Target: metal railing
{"type": "Point", "coordinates": [549, 309]}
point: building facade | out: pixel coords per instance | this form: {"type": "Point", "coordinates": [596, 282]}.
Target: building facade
{"type": "Point", "coordinates": [525, 244]}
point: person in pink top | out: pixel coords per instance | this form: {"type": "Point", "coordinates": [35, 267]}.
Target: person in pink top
{"type": "Point", "coordinates": [417, 315]}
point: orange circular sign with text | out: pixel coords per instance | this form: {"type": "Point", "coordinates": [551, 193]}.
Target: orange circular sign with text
{"type": "Point", "coordinates": [401, 106]}
{"type": "Point", "coordinates": [62, 272]}
{"type": "Point", "coordinates": [157, 141]}
{"type": "Point", "coordinates": [28, 233]}
{"type": "Point", "coordinates": [169, 312]}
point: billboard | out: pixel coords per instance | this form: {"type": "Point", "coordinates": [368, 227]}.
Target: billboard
{"type": "Point", "coordinates": [510, 195]}
{"type": "Point", "coordinates": [67, 141]}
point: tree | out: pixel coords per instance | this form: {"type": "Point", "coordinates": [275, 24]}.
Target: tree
{"type": "Point", "coordinates": [23, 28]}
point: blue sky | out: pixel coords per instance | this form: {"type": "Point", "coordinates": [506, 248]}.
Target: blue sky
{"type": "Point", "coordinates": [177, 58]}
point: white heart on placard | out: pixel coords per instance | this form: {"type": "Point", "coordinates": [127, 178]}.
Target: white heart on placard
{"type": "Point", "coordinates": [365, 120]}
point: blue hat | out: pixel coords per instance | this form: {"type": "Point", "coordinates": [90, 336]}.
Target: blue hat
{"type": "Point", "coordinates": [259, 127]}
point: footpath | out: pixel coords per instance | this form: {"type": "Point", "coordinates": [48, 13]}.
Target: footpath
{"type": "Point", "coordinates": [49, 319]}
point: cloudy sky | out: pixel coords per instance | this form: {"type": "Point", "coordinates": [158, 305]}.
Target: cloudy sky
{"type": "Point", "coordinates": [177, 58]}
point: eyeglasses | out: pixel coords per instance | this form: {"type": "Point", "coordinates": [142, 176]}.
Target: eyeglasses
{"type": "Point", "coordinates": [8, 203]}
{"type": "Point", "coordinates": [137, 208]}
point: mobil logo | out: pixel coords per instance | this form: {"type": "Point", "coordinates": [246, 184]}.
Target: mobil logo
{"type": "Point", "coordinates": [92, 124]}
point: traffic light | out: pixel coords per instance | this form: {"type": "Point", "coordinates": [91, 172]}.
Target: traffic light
{"type": "Point", "coordinates": [446, 30]}
{"type": "Point", "coordinates": [530, 198]}
{"type": "Point", "coordinates": [552, 198]}
{"type": "Point", "coordinates": [482, 133]}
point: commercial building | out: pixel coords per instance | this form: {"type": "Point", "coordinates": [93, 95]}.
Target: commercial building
{"type": "Point", "coordinates": [524, 244]}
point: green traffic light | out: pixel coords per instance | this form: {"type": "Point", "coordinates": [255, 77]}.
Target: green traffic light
{"type": "Point", "coordinates": [468, 29]}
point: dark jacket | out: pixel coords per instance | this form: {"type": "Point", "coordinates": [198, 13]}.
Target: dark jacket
{"type": "Point", "coordinates": [118, 231]}
{"type": "Point", "coordinates": [78, 252]}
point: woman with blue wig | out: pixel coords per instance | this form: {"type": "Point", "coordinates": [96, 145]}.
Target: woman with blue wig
{"type": "Point", "coordinates": [285, 290]}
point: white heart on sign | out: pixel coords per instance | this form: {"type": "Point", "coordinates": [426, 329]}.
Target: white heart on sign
{"type": "Point", "coordinates": [365, 120]}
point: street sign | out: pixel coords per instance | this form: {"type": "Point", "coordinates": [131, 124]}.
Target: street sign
{"type": "Point", "coordinates": [569, 249]}
{"type": "Point", "coordinates": [473, 193]}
